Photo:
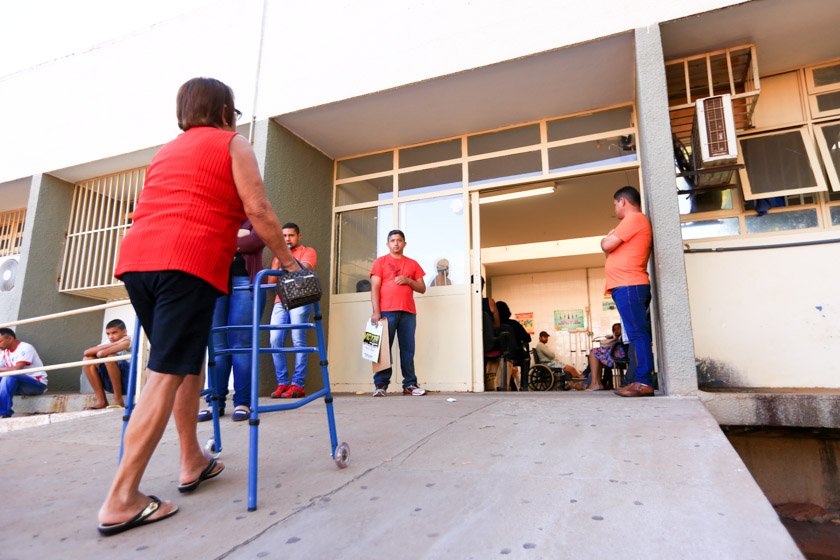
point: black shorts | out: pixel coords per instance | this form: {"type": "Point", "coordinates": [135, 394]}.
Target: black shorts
{"type": "Point", "coordinates": [176, 311]}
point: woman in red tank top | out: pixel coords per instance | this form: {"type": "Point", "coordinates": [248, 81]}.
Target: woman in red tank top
{"type": "Point", "coordinates": [174, 262]}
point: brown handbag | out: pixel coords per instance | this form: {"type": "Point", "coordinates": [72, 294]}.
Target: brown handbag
{"type": "Point", "coordinates": [298, 288]}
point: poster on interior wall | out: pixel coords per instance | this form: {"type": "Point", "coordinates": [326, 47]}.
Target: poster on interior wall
{"type": "Point", "coordinates": [569, 319]}
{"type": "Point", "coordinates": [608, 304]}
{"type": "Point", "coordinates": [527, 321]}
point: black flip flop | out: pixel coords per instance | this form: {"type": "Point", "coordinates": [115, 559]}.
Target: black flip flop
{"type": "Point", "coordinates": [206, 474]}
{"type": "Point", "coordinates": [138, 520]}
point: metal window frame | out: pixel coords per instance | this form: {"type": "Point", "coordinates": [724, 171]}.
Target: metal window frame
{"type": "Point", "coordinates": [814, 91]}
{"type": "Point", "coordinates": [811, 152]}
{"type": "Point", "coordinates": [822, 144]}
{"type": "Point", "coordinates": [464, 160]}
{"type": "Point", "coordinates": [682, 115]}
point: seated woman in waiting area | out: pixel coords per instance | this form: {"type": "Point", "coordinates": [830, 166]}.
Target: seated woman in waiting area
{"type": "Point", "coordinates": [611, 349]}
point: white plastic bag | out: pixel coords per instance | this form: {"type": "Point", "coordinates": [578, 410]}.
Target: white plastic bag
{"type": "Point", "coordinates": [372, 341]}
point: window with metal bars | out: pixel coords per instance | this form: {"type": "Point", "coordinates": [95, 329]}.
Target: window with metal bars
{"type": "Point", "coordinates": [100, 216]}
{"type": "Point", "coordinates": [11, 231]}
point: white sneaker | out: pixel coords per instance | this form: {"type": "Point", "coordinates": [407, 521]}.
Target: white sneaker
{"type": "Point", "coordinates": [379, 392]}
{"type": "Point", "coordinates": [414, 391]}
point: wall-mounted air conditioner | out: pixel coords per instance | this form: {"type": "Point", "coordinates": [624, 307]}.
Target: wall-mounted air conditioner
{"type": "Point", "coordinates": [8, 272]}
{"type": "Point", "coordinates": [714, 132]}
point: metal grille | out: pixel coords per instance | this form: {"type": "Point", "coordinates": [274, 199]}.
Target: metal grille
{"type": "Point", "coordinates": [100, 215]}
{"type": "Point", "coordinates": [11, 231]}
{"type": "Point", "coordinates": [733, 71]}
{"type": "Point", "coordinates": [715, 127]}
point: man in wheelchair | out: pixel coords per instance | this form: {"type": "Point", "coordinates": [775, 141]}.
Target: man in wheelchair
{"type": "Point", "coordinates": [547, 368]}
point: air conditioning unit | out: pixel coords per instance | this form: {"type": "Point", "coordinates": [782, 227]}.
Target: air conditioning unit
{"type": "Point", "coordinates": [8, 272]}
{"type": "Point", "coordinates": [714, 132]}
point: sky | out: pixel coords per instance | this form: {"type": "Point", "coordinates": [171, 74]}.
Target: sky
{"type": "Point", "coordinates": [39, 31]}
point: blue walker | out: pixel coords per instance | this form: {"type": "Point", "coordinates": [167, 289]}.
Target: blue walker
{"type": "Point", "coordinates": [340, 452]}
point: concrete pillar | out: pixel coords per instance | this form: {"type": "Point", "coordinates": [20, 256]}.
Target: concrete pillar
{"type": "Point", "coordinates": [672, 316]}
{"type": "Point", "coordinates": [298, 182]}
{"type": "Point", "coordinates": [58, 340]}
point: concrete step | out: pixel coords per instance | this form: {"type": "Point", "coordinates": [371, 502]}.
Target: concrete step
{"type": "Point", "coordinates": [21, 422]}
{"type": "Point", "coordinates": [53, 403]}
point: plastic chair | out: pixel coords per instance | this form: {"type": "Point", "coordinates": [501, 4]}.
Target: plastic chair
{"type": "Point", "coordinates": [498, 345]}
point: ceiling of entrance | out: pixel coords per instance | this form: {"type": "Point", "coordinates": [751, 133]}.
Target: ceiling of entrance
{"type": "Point", "coordinates": [551, 264]}
{"type": "Point", "coordinates": [568, 80]}
{"type": "Point", "coordinates": [579, 207]}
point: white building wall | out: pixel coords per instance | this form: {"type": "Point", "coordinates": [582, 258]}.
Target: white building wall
{"type": "Point", "coordinates": [119, 97]}
{"type": "Point", "coordinates": [766, 318]}
{"type": "Point", "coordinates": [353, 48]}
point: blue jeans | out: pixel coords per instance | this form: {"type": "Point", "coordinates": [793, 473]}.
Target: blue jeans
{"type": "Point", "coordinates": [632, 303]}
{"type": "Point", "coordinates": [282, 316]}
{"type": "Point", "coordinates": [17, 385]}
{"type": "Point", "coordinates": [235, 309]}
{"type": "Point", "coordinates": [403, 324]}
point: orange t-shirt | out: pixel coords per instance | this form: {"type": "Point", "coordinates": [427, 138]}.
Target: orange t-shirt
{"type": "Point", "coordinates": [396, 297]}
{"type": "Point", "coordinates": [627, 265]}
{"type": "Point", "coordinates": [301, 254]}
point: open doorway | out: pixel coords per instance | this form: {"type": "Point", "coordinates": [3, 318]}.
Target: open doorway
{"type": "Point", "coordinates": [540, 253]}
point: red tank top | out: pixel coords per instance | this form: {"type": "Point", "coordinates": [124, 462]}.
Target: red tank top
{"type": "Point", "coordinates": [188, 212]}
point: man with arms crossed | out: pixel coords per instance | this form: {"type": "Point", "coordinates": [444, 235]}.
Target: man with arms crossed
{"type": "Point", "coordinates": [111, 377]}
{"type": "Point", "coordinates": [393, 280]}
{"type": "Point", "coordinates": [627, 248]}
{"type": "Point", "coordinates": [308, 258]}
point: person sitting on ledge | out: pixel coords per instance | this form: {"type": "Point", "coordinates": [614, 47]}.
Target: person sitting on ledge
{"type": "Point", "coordinates": [17, 355]}
{"type": "Point", "coordinates": [111, 377]}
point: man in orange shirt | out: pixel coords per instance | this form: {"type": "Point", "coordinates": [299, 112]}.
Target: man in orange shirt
{"type": "Point", "coordinates": [628, 248]}
{"type": "Point", "coordinates": [308, 258]}
{"type": "Point", "coordinates": [393, 280]}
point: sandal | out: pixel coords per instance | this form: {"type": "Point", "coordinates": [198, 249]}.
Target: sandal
{"type": "Point", "coordinates": [207, 414]}
{"type": "Point", "coordinates": [144, 517]}
{"type": "Point", "coordinates": [206, 474]}
{"type": "Point", "coordinates": [241, 413]}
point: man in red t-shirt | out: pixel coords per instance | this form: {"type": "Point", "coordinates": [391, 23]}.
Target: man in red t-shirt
{"type": "Point", "coordinates": [393, 280]}
{"type": "Point", "coordinates": [628, 248]}
{"type": "Point", "coordinates": [308, 258]}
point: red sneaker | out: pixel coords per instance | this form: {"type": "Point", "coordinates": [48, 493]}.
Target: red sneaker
{"type": "Point", "coordinates": [278, 392]}
{"type": "Point", "coordinates": [293, 392]}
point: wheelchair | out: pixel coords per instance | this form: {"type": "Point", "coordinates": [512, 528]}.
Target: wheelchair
{"type": "Point", "coordinates": [542, 377]}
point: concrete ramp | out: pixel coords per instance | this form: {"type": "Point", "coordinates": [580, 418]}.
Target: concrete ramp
{"type": "Point", "coordinates": [557, 475]}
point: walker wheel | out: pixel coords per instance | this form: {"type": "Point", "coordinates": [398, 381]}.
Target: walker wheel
{"type": "Point", "coordinates": [210, 449]}
{"type": "Point", "coordinates": [342, 455]}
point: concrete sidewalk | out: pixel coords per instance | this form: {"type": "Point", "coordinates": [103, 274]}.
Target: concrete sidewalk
{"type": "Point", "coordinates": [553, 475]}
